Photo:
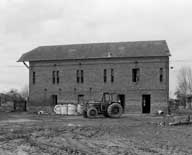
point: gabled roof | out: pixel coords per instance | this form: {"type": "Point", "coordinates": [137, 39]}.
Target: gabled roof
{"type": "Point", "coordinates": [98, 50]}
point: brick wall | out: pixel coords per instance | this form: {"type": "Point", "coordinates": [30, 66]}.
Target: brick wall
{"type": "Point", "coordinates": [93, 87]}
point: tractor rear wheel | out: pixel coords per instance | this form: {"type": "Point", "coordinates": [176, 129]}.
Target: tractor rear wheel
{"type": "Point", "coordinates": [92, 112]}
{"type": "Point", "coordinates": [115, 110]}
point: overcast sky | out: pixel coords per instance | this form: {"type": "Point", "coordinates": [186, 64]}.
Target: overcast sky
{"type": "Point", "coordinates": [26, 24]}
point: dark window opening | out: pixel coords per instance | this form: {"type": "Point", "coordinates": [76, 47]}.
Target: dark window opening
{"type": "Point", "coordinates": [57, 77]}
{"type": "Point", "coordinates": [82, 76]}
{"type": "Point", "coordinates": [77, 76]}
{"type": "Point", "coordinates": [112, 75]}
{"type": "Point", "coordinates": [53, 77]}
{"type": "Point", "coordinates": [105, 75]}
{"type": "Point", "coordinates": [34, 80]}
{"type": "Point", "coordinates": [161, 75]}
{"type": "Point", "coordinates": [135, 74]}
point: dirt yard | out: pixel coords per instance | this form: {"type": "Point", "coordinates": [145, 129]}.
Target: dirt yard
{"type": "Point", "coordinates": [27, 134]}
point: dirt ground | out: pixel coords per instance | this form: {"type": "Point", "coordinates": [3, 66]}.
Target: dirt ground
{"type": "Point", "coordinates": [30, 134]}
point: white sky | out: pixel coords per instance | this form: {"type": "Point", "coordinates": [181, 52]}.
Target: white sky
{"type": "Point", "coordinates": [26, 24]}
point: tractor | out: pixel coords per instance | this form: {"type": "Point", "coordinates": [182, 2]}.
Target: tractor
{"type": "Point", "coordinates": [109, 106]}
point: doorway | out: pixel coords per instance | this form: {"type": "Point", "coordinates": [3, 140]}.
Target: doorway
{"type": "Point", "coordinates": [54, 100]}
{"type": "Point", "coordinates": [80, 99]}
{"type": "Point", "coordinates": [121, 97]}
{"type": "Point", "coordinates": [146, 103]}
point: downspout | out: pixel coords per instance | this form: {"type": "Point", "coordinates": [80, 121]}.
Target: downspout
{"type": "Point", "coordinates": [27, 66]}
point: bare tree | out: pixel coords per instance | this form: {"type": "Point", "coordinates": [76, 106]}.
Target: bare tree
{"type": "Point", "coordinates": [184, 86]}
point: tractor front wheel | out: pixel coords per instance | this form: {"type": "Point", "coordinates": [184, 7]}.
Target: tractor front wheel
{"type": "Point", "coordinates": [115, 110]}
{"type": "Point", "coordinates": [92, 112]}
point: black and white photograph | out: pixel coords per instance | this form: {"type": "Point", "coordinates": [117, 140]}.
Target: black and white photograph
{"type": "Point", "coordinates": [95, 77]}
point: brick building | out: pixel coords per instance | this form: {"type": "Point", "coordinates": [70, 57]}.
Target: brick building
{"type": "Point", "coordinates": [137, 71]}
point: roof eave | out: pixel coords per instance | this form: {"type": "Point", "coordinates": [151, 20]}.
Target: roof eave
{"type": "Point", "coordinates": [23, 60]}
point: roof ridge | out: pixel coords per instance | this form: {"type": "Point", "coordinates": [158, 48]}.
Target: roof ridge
{"type": "Point", "coordinates": [95, 43]}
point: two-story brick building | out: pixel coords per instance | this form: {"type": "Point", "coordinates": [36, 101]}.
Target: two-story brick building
{"type": "Point", "coordinates": [137, 71]}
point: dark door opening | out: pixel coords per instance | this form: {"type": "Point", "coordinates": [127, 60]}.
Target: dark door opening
{"type": "Point", "coordinates": [80, 99]}
{"type": "Point", "coordinates": [54, 100]}
{"type": "Point", "coordinates": [146, 103]}
{"type": "Point", "coordinates": [122, 100]}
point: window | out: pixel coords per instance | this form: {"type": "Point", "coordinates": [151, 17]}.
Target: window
{"type": "Point", "coordinates": [161, 75]}
{"type": "Point", "coordinates": [80, 76]}
{"type": "Point", "coordinates": [105, 75]}
{"type": "Point", "coordinates": [33, 79]}
{"type": "Point", "coordinates": [55, 77]}
{"type": "Point", "coordinates": [135, 74]}
{"type": "Point", "coordinates": [112, 75]}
